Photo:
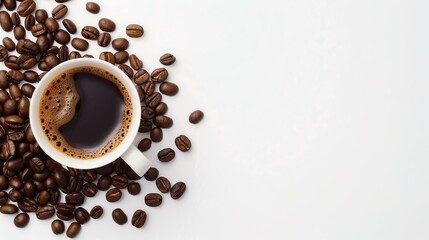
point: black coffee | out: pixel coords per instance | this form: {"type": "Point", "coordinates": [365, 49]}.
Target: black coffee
{"type": "Point", "coordinates": [85, 112]}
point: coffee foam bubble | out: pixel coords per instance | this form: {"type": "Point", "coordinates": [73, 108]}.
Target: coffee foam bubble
{"type": "Point", "coordinates": [58, 106]}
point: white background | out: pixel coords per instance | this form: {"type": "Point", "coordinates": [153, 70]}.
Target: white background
{"type": "Point", "coordinates": [317, 121]}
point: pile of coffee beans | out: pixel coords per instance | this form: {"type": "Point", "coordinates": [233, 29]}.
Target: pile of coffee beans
{"type": "Point", "coordinates": [31, 181]}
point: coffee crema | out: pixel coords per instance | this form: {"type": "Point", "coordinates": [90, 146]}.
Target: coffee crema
{"type": "Point", "coordinates": [85, 112]}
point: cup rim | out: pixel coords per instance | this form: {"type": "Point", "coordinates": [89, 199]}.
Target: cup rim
{"type": "Point", "coordinates": [63, 158]}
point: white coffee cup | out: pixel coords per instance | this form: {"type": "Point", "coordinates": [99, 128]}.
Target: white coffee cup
{"type": "Point", "coordinates": [126, 150]}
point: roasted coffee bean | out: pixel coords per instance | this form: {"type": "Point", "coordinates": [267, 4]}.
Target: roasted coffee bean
{"type": "Point", "coordinates": [161, 108]}
{"type": "Point", "coordinates": [106, 25]}
{"type": "Point", "coordinates": [139, 218]}
{"type": "Point", "coordinates": [127, 70]}
{"type": "Point", "coordinates": [177, 190]}
{"type": "Point", "coordinates": [81, 215]}
{"type": "Point", "coordinates": [19, 32]}
{"type": "Point", "coordinates": [15, 76]}
{"type": "Point", "coordinates": [3, 53]}
{"type": "Point", "coordinates": [141, 76]}
{"type": "Point", "coordinates": [50, 183]}
{"type": "Point", "coordinates": [8, 149]}
{"type": "Point", "coordinates": [134, 30]}
{"type": "Point", "coordinates": [119, 216]}
{"type": "Point", "coordinates": [57, 227]}
{"type": "Point", "coordinates": [62, 37]}
{"type": "Point", "coordinates": [26, 61]}
{"type": "Point", "coordinates": [104, 39]}
{"type": "Point", "coordinates": [2, 135]}
{"type": "Point", "coordinates": [43, 198]}
{"type": "Point", "coordinates": [141, 93]}
{"type": "Point", "coordinates": [10, 4]}
{"type": "Point", "coordinates": [151, 174]}
{"type": "Point", "coordinates": [134, 188]}
{"type": "Point", "coordinates": [38, 30]}
{"type": "Point", "coordinates": [15, 135]}
{"type": "Point", "coordinates": [73, 172]}
{"type": "Point", "coordinates": [153, 199]}
{"type": "Point", "coordinates": [36, 165]}
{"type": "Point", "coordinates": [196, 116]}
{"type": "Point", "coordinates": [12, 62]}
{"type": "Point", "coordinates": [79, 44]}
{"type": "Point", "coordinates": [55, 197]}
{"type": "Point", "coordinates": [70, 26]}
{"type": "Point", "coordinates": [145, 126]}
{"type": "Point", "coordinates": [105, 170]}
{"type": "Point", "coordinates": [53, 50]}
{"type": "Point", "coordinates": [119, 181]}
{"type": "Point", "coordinates": [42, 176]}
{"type": "Point", "coordinates": [65, 217]}
{"type": "Point", "coordinates": [163, 121]}
{"type": "Point", "coordinates": [51, 61]}
{"type": "Point", "coordinates": [167, 59]}
{"type": "Point", "coordinates": [163, 184]}
{"type": "Point", "coordinates": [113, 195]}
{"type": "Point", "coordinates": [104, 183]}
{"type": "Point", "coordinates": [4, 82]}
{"type": "Point", "coordinates": [59, 11]}
{"type": "Point", "coordinates": [45, 212]}
{"type": "Point", "coordinates": [3, 94]}
{"type": "Point", "coordinates": [28, 205]}
{"type": "Point", "coordinates": [75, 198]}
{"type": "Point", "coordinates": [65, 208]}
{"type": "Point", "coordinates": [30, 189]}
{"type": "Point", "coordinates": [92, 7]}
{"type": "Point", "coordinates": [43, 43]}
{"type": "Point", "coordinates": [120, 44]}
{"type": "Point", "coordinates": [52, 165]}
{"type": "Point", "coordinates": [89, 189]}
{"type": "Point", "coordinates": [88, 175]}
{"type": "Point", "coordinates": [51, 25]}
{"type": "Point", "coordinates": [10, 107]}
{"type": "Point", "coordinates": [90, 32]}
{"type": "Point", "coordinates": [9, 44]}
{"type": "Point", "coordinates": [74, 55]}
{"type": "Point", "coordinates": [61, 177]}
{"type": "Point", "coordinates": [41, 15]}
{"type": "Point", "coordinates": [4, 182]}
{"type": "Point", "coordinates": [96, 212]}
{"type": "Point", "coordinates": [73, 230]}
{"type": "Point", "coordinates": [21, 220]}
{"type": "Point", "coordinates": [51, 40]}
{"type": "Point", "coordinates": [135, 62]}
{"type": "Point", "coordinates": [154, 99]}
{"type": "Point", "coordinates": [183, 143]}
{"type": "Point", "coordinates": [166, 155]}
{"type": "Point", "coordinates": [3, 197]}
{"type": "Point", "coordinates": [26, 7]}
{"type": "Point", "coordinates": [144, 144]}
{"type": "Point", "coordinates": [156, 134]}
{"type": "Point", "coordinates": [5, 21]}
{"type": "Point", "coordinates": [108, 57]}
{"type": "Point", "coordinates": [159, 75]}
{"type": "Point", "coordinates": [16, 20]}
{"type": "Point", "coordinates": [63, 55]}
{"type": "Point", "coordinates": [120, 166]}
{"type": "Point", "coordinates": [16, 164]}
{"type": "Point", "coordinates": [8, 208]}
{"type": "Point", "coordinates": [121, 57]}
{"type": "Point", "coordinates": [149, 88]}
{"type": "Point", "coordinates": [28, 89]}
{"type": "Point", "coordinates": [15, 92]}
{"type": "Point", "coordinates": [29, 22]}
{"type": "Point", "coordinates": [76, 184]}
{"type": "Point", "coordinates": [168, 88]}
{"type": "Point", "coordinates": [16, 195]}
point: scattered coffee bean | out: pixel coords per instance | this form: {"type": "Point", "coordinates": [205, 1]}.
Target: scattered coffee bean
{"type": "Point", "coordinates": [161, 108]}
{"type": "Point", "coordinates": [21, 220]}
{"type": "Point", "coordinates": [104, 183]}
{"type": "Point", "coordinates": [70, 26]}
{"type": "Point", "coordinates": [16, 20]}
{"type": "Point", "coordinates": [79, 44]}
{"type": "Point", "coordinates": [163, 121]}
{"type": "Point", "coordinates": [92, 7]}
{"type": "Point", "coordinates": [113, 195]}
{"type": "Point", "coordinates": [159, 75]}
{"type": "Point", "coordinates": [149, 88]}
{"type": "Point", "coordinates": [177, 190]}
{"type": "Point", "coordinates": [9, 44]}
{"type": "Point", "coordinates": [166, 155]}
{"type": "Point", "coordinates": [134, 30]}
{"type": "Point", "coordinates": [8, 208]}
{"type": "Point", "coordinates": [168, 88]}
{"type": "Point", "coordinates": [89, 189]}
{"type": "Point", "coordinates": [104, 40]}
{"type": "Point", "coordinates": [134, 188]}
{"type": "Point", "coordinates": [28, 205]}
{"type": "Point", "coordinates": [26, 7]}
{"type": "Point", "coordinates": [196, 116]}
{"type": "Point", "coordinates": [144, 144]}
{"type": "Point", "coordinates": [19, 32]}
{"type": "Point", "coordinates": [59, 11]}
{"type": "Point", "coordinates": [10, 4]}
{"type": "Point", "coordinates": [120, 44]}
{"type": "Point", "coordinates": [3, 53]}
{"type": "Point", "coordinates": [156, 134]}
{"type": "Point", "coordinates": [141, 76]}
{"type": "Point", "coordinates": [167, 59]}
{"type": "Point", "coordinates": [73, 230]}
{"type": "Point", "coordinates": [136, 63]}
{"type": "Point", "coordinates": [57, 227]}
{"type": "Point", "coordinates": [163, 184]}
{"type": "Point", "coordinates": [81, 215]}
{"type": "Point", "coordinates": [121, 57]}
{"type": "Point", "coordinates": [3, 197]}
{"type": "Point", "coordinates": [41, 15]}
{"type": "Point", "coordinates": [153, 199]}
{"type": "Point", "coordinates": [119, 181]}
{"type": "Point", "coordinates": [62, 37]}
{"type": "Point", "coordinates": [5, 21]}
{"type": "Point", "coordinates": [16, 195]}
{"type": "Point", "coordinates": [51, 25]}
{"type": "Point", "coordinates": [43, 198]}
{"type": "Point", "coordinates": [96, 212]}
{"type": "Point", "coordinates": [183, 143]}
{"type": "Point", "coordinates": [127, 70]}
{"type": "Point", "coordinates": [154, 99]}
{"type": "Point", "coordinates": [38, 30]}
{"type": "Point", "coordinates": [76, 198]}
{"type": "Point", "coordinates": [106, 25]}
{"type": "Point", "coordinates": [90, 32]}
{"type": "Point", "coordinates": [119, 216]}
{"type": "Point", "coordinates": [45, 212]}
{"type": "Point", "coordinates": [139, 218]}
{"type": "Point", "coordinates": [29, 22]}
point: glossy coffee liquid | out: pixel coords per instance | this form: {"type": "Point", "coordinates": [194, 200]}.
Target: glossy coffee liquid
{"type": "Point", "coordinates": [85, 112]}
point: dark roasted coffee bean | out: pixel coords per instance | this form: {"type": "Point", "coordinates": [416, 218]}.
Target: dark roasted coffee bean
{"type": "Point", "coordinates": [10, 4]}
{"type": "Point", "coordinates": [14, 17]}
{"type": "Point", "coordinates": [134, 188]}
{"type": "Point", "coordinates": [8, 149]}
{"type": "Point", "coordinates": [9, 44]}
{"type": "Point", "coordinates": [75, 198]}
{"type": "Point", "coordinates": [50, 183]}
{"type": "Point", "coordinates": [42, 176]}
{"type": "Point", "coordinates": [43, 198]}
{"type": "Point", "coordinates": [37, 165]}
{"type": "Point", "coordinates": [163, 121]}
{"type": "Point", "coordinates": [149, 88]}
{"type": "Point", "coordinates": [120, 44]}
{"type": "Point", "coordinates": [96, 212]}
{"type": "Point", "coordinates": [15, 76]}
{"type": "Point", "coordinates": [15, 92]}
{"type": "Point", "coordinates": [161, 108]}
{"type": "Point", "coordinates": [144, 144]}
{"type": "Point", "coordinates": [168, 88]}
{"type": "Point", "coordinates": [12, 62]}
{"type": "Point", "coordinates": [81, 215]}
{"type": "Point", "coordinates": [141, 76]}
{"type": "Point", "coordinates": [29, 22]}
{"type": "Point", "coordinates": [41, 15]}
{"type": "Point", "coordinates": [28, 205]}
{"type": "Point", "coordinates": [120, 166]}
{"type": "Point", "coordinates": [76, 184]}
{"type": "Point", "coordinates": [119, 181]}
{"type": "Point", "coordinates": [79, 44]}
{"type": "Point", "coordinates": [65, 217]}
{"type": "Point", "coordinates": [55, 197]}
{"type": "Point", "coordinates": [51, 40]}
{"type": "Point", "coordinates": [45, 212]}
{"type": "Point", "coordinates": [139, 218]}
{"type": "Point", "coordinates": [59, 11]}
{"type": "Point", "coordinates": [145, 126]}
{"type": "Point", "coordinates": [3, 94]}
{"type": "Point", "coordinates": [65, 208]}
{"type": "Point", "coordinates": [3, 197]}
{"type": "Point", "coordinates": [167, 59]}
{"type": "Point", "coordinates": [43, 66]}
{"type": "Point", "coordinates": [92, 7]}
{"type": "Point", "coordinates": [27, 90]}
{"type": "Point", "coordinates": [119, 216]}
{"type": "Point", "coordinates": [26, 61]}
{"type": "Point", "coordinates": [73, 172]}
{"type": "Point", "coordinates": [16, 195]}
{"type": "Point", "coordinates": [52, 165]}
{"type": "Point", "coordinates": [5, 21]}
{"type": "Point", "coordinates": [106, 25]}
{"type": "Point", "coordinates": [113, 195]}
{"type": "Point", "coordinates": [51, 25]}
{"type": "Point", "coordinates": [43, 43]}
{"type": "Point", "coordinates": [4, 182]}
{"type": "Point", "coordinates": [127, 70]}
{"type": "Point", "coordinates": [121, 57]}
{"type": "Point", "coordinates": [154, 99]}
{"type": "Point", "coordinates": [177, 190]}
{"type": "Point", "coordinates": [90, 32]}
{"type": "Point", "coordinates": [63, 55]}
{"type": "Point", "coordinates": [15, 134]}
{"type": "Point", "coordinates": [61, 177]}
{"type": "Point", "coordinates": [3, 53]}
{"type": "Point", "coordinates": [51, 61]}
{"type": "Point", "coordinates": [104, 39]}
{"type": "Point", "coordinates": [183, 143]}
{"type": "Point", "coordinates": [38, 29]}
{"type": "Point", "coordinates": [151, 174]}
{"type": "Point", "coordinates": [134, 30]}
{"type": "Point", "coordinates": [30, 189]}
{"type": "Point", "coordinates": [108, 57]}
{"type": "Point", "coordinates": [89, 189]}
{"type": "Point", "coordinates": [73, 230]}
{"type": "Point", "coordinates": [104, 183]}
{"type": "Point", "coordinates": [70, 26]}
{"type": "Point", "coordinates": [74, 55]}
{"type": "Point", "coordinates": [159, 75]}
{"type": "Point", "coordinates": [26, 7]}
{"type": "Point", "coordinates": [88, 175]}
{"type": "Point", "coordinates": [8, 208]}
{"type": "Point", "coordinates": [62, 37]}
{"type": "Point", "coordinates": [196, 116]}
{"type": "Point", "coordinates": [10, 106]}
{"type": "Point", "coordinates": [163, 184]}
{"type": "Point", "coordinates": [57, 227]}
{"type": "Point", "coordinates": [19, 32]}
{"type": "Point", "coordinates": [141, 93]}
{"type": "Point", "coordinates": [21, 220]}
{"type": "Point", "coordinates": [153, 199]}
{"type": "Point", "coordinates": [166, 155]}
{"type": "Point", "coordinates": [135, 62]}
{"type": "Point", "coordinates": [156, 134]}
{"type": "Point", "coordinates": [16, 164]}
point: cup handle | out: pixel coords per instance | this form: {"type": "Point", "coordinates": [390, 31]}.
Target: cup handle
{"type": "Point", "coordinates": [136, 160]}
